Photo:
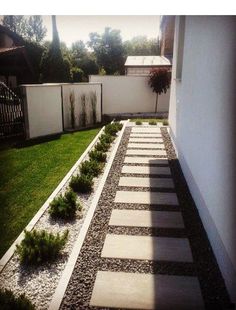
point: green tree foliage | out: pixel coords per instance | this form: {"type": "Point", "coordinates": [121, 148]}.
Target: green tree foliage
{"type": "Point", "coordinates": [30, 29]}
{"type": "Point", "coordinates": [108, 49]}
{"type": "Point", "coordinates": [16, 23]}
{"type": "Point", "coordinates": [141, 46]}
{"type": "Point", "coordinates": [8, 301]}
{"type": "Point", "coordinates": [35, 29]}
{"type": "Point", "coordinates": [55, 68]}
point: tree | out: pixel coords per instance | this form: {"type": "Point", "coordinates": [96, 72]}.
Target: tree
{"type": "Point", "coordinates": [141, 46]}
{"type": "Point", "coordinates": [159, 81]}
{"type": "Point", "coordinates": [55, 68]}
{"type": "Point", "coordinates": [31, 29]}
{"type": "Point", "coordinates": [35, 29]}
{"type": "Point", "coordinates": [108, 50]}
{"type": "Point", "coordinates": [16, 23]}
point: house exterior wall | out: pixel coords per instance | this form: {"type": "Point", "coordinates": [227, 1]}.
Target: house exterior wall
{"type": "Point", "coordinates": [201, 126]}
{"type": "Point", "coordinates": [129, 94]}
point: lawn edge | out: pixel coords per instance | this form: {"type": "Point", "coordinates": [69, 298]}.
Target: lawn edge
{"type": "Point", "coordinates": [9, 253]}
{"type": "Point", "coordinates": [67, 272]}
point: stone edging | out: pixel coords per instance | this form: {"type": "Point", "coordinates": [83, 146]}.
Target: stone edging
{"type": "Point", "coordinates": [9, 253]}
{"type": "Point", "coordinates": [63, 282]}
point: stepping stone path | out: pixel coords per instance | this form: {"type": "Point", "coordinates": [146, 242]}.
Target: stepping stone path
{"type": "Point", "coordinates": [145, 290]}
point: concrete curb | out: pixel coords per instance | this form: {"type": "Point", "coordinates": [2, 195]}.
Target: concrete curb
{"type": "Point", "coordinates": [7, 256]}
{"type": "Point", "coordinates": [64, 280]}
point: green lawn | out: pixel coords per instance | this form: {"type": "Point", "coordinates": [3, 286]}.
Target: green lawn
{"type": "Point", "coordinates": [30, 174]}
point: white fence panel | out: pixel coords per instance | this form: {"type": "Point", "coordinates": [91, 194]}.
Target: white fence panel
{"type": "Point", "coordinates": [77, 90]}
{"type": "Point", "coordinates": [43, 110]}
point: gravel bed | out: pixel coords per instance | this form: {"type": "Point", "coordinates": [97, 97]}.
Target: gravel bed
{"type": "Point", "coordinates": [80, 287]}
{"type": "Point", "coordinates": [39, 283]}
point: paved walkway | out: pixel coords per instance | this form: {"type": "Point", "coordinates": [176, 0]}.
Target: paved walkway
{"type": "Point", "coordinates": [146, 290]}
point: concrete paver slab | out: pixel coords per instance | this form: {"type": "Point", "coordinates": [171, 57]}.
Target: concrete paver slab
{"type": "Point", "coordinates": [146, 146]}
{"type": "Point", "coordinates": [146, 291]}
{"type": "Point", "coordinates": [150, 198]}
{"type": "Point", "coordinates": [146, 182]}
{"type": "Point", "coordinates": [145, 160]}
{"type": "Point", "coordinates": [146, 170]}
{"type": "Point", "coordinates": [142, 218]}
{"type": "Point", "coordinates": [145, 135]}
{"type": "Point", "coordinates": [146, 129]}
{"type": "Point", "coordinates": [146, 140]}
{"type": "Point", "coordinates": [146, 152]}
{"type": "Point", "coordinates": [153, 248]}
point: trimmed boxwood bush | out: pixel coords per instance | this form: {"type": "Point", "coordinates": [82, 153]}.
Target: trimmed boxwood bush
{"type": "Point", "coordinates": [165, 122]}
{"type": "Point", "coordinates": [91, 168]}
{"type": "Point", "coordinates": [40, 246]}
{"type": "Point", "coordinates": [82, 183]}
{"type": "Point", "coordinates": [64, 206]}
{"type": "Point", "coordinates": [98, 156]}
{"type": "Point", "coordinates": [8, 301]}
{"type": "Point", "coordinates": [153, 122]}
{"type": "Point", "coordinates": [102, 147]}
{"type": "Point", "coordinates": [106, 138]}
{"type": "Point", "coordinates": [111, 129]}
{"type": "Point", "coordinates": [118, 125]}
{"type": "Point", "coordinates": [138, 122]}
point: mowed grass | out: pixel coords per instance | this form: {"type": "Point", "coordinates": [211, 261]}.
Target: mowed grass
{"type": "Point", "coordinates": [28, 177]}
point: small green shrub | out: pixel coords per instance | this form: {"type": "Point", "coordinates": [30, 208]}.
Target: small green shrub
{"type": "Point", "coordinates": [102, 147]}
{"type": "Point", "coordinates": [152, 122]}
{"type": "Point", "coordinates": [64, 206]}
{"type": "Point", "coordinates": [106, 138]}
{"type": "Point", "coordinates": [40, 246]}
{"type": "Point", "coordinates": [138, 122]}
{"type": "Point", "coordinates": [112, 129]}
{"type": "Point", "coordinates": [118, 125]}
{"type": "Point", "coordinates": [8, 301]}
{"type": "Point", "coordinates": [91, 168]}
{"type": "Point", "coordinates": [81, 183]}
{"type": "Point", "coordinates": [165, 122]}
{"type": "Point", "coordinates": [98, 156]}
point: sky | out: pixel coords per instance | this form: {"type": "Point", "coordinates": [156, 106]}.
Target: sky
{"type": "Point", "coordinates": [73, 28]}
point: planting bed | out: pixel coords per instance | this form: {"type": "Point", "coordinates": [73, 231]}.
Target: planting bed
{"type": "Point", "coordinates": [39, 283]}
{"type": "Point", "coordinates": [79, 290]}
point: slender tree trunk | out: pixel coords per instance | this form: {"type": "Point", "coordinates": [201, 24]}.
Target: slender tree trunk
{"type": "Point", "coordinates": [156, 103]}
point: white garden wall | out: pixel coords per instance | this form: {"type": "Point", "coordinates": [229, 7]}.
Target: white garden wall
{"type": "Point", "coordinates": [129, 94]}
{"type": "Point", "coordinates": [47, 107]}
{"type": "Point", "coordinates": [43, 109]}
{"type": "Point", "coordinates": [201, 124]}
{"type": "Point", "coordinates": [78, 90]}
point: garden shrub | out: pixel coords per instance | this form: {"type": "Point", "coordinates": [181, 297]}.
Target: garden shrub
{"type": "Point", "coordinates": [111, 129]}
{"type": "Point", "coordinates": [118, 125]}
{"type": "Point", "coordinates": [40, 246]}
{"type": "Point", "coordinates": [98, 156]}
{"type": "Point", "coordinates": [165, 122]}
{"type": "Point", "coordinates": [152, 122]}
{"type": "Point", "coordinates": [81, 183]}
{"type": "Point", "coordinates": [64, 206]}
{"type": "Point", "coordinates": [8, 301]}
{"type": "Point", "coordinates": [102, 147]}
{"type": "Point", "coordinates": [138, 122]}
{"type": "Point", "coordinates": [91, 168]}
{"type": "Point", "coordinates": [106, 138]}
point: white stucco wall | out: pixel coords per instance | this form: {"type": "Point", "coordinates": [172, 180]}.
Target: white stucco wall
{"type": "Point", "coordinates": [201, 125]}
{"type": "Point", "coordinates": [78, 89]}
{"type": "Point", "coordinates": [44, 111]}
{"type": "Point", "coordinates": [129, 94]}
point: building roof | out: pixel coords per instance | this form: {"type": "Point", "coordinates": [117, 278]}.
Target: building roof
{"type": "Point", "coordinates": [147, 61]}
{"type": "Point", "coordinates": [8, 50]}
{"type": "Point", "coordinates": [18, 40]}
